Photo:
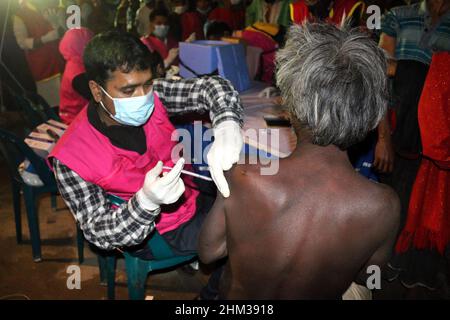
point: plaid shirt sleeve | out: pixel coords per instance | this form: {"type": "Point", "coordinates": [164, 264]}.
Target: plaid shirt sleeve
{"type": "Point", "coordinates": [213, 94]}
{"type": "Point", "coordinates": [103, 225]}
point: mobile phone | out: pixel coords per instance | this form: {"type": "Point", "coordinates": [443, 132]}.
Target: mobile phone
{"type": "Point", "coordinates": [276, 121]}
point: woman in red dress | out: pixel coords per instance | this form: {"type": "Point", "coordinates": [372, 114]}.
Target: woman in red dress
{"type": "Point", "coordinates": [426, 235]}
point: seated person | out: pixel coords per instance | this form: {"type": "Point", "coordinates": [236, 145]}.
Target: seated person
{"type": "Point", "coordinates": [158, 40]}
{"type": "Point", "coordinates": [313, 228]}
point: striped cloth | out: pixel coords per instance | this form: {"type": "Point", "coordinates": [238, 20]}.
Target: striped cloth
{"type": "Point", "coordinates": [416, 37]}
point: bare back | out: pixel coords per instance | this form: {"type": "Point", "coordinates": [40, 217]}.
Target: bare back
{"type": "Point", "coordinates": [305, 232]}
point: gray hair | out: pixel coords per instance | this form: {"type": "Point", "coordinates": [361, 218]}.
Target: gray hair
{"type": "Point", "coordinates": [333, 80]}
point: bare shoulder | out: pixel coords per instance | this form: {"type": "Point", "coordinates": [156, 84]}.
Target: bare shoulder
{"type": "Point", "coordinates": [247, 180]}
{"type": "Point", "coordinates": [384, 205]}
{"type": "Point", "coordinates": [242, 174]}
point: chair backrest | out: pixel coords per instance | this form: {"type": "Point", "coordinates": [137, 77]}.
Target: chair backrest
{"type": "Point", "coordinates": [39, 103]}
{"type": "Point", "coordinates": [15, 151]}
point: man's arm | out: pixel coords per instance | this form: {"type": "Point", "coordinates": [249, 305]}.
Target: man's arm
{"type": "Point", "coordinates": [104, 226]}
{"type": "Point", "coordinates": [212, 244]}
{"type": "Point", "coordinates": [384, 152]}
{"type": "Point", "coordinates": [213, 94]}
{"type": "Point", "coordinates": [389, 222]}
{"type": "Point", "coordinates": [216, 95]}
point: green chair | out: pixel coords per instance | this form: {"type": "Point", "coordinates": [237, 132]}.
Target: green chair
{"type": "Point", "coordinates": [137, 269]}
{"type": "Point", "coordinates": [15, 151]}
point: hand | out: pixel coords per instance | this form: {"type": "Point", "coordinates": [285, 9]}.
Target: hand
{"type": "Point", "coordinates": [384, 155]}
{"type": "Point", "coordinates": [161, 190]}
{"type": "Point", "coordinates": [173, 54]}
{"type": "Point", "coordinates": [224, 153]}
{"type": "Point", "coordinates": [191, 38]}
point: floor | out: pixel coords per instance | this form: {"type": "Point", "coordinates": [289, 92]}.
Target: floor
{"type": "Point", "coordinates": [20, 277]}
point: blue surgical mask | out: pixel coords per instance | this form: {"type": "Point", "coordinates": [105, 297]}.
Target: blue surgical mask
{"type": "Point", "coordinates": [161, 31]}
{"type": "Point", "coordinates": [134, 111]}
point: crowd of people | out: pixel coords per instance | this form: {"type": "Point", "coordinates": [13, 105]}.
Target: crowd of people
{"type": "Point", "coordinates": [409, 142]}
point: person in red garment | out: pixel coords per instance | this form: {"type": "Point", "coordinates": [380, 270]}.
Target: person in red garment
{"type": "Point", "coordinates": [232, 12]}
{"type": "Point", "coordinates": [37, 31]}
{"type": "Point", "coordinates": [192, 16]}
{"type": "Point", "coordinates": [159, 40]}
{"type": "Point", "coordinates": [428, 222]}
{"type": "Point", "coordinates": [72, 47]}
{"type": "Point", "coordinates": [337, 11]}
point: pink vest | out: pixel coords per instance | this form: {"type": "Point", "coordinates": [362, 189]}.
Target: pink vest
{"type": "Point", "coordinates": [121, 172]}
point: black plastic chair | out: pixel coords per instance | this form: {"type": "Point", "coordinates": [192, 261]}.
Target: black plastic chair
{"type": "Point", "coordinates": [15, 151]}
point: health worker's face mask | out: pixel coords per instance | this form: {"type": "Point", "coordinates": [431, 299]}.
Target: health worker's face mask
{"type": "Point", "coordinates": [134, 111]}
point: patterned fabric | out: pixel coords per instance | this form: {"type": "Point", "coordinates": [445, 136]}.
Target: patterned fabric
{"type": "Point", "coordinates": [109, 227]}
{"type": "Point", "coordinates": [416, 37]}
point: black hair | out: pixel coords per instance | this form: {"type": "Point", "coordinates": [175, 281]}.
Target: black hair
{"type": "Point", "coordinates": [217, 29]}
{"type": "Point", "coordinates": [159, 11]}
{"type": "Point", "coordinates": [159, 65]}
{"type": "Point", "coordinates": [116, 50]}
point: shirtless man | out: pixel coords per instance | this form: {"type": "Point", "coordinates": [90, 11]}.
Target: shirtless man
{"type": "Point", "coordinates": [313, 228]}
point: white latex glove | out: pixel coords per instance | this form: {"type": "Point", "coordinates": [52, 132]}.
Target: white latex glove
{"type": "Point", "coordinates": [191, 38]}
{"type": "Point", "coordinates": [173, 54]}
{"type": "Point", "coordinates": [161, 190]}
{"type": "Point", "coordinates": [268, 92]}
{"type": "Point", "coordinates": [224, 153]}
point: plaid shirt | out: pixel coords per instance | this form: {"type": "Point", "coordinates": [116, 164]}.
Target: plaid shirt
{"type": "Point", "coordinates": [109, 227]}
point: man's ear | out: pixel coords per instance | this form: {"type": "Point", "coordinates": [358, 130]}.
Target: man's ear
{"type": "Point", "coordinates": [95, 90]}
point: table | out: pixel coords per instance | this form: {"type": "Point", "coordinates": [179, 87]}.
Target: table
{"type": "Point", "coordinates": [255, 109]}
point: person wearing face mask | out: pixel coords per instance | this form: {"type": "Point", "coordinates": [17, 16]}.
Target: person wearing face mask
{"type": "Point", "coordinates": [190, 20]}
{"type": "Point", "coordinates": [268, 11]}
{"type": "Point", "coordinates": [147, 6]}
{"type": "Point", "coordinates": [179, 8]}
{"type": "Point", "coordinates": [203, 7]}
{"type": "Point", "coordinates": [231, 12]}
{"type": "Point", "coordinates": [119, 143]}
{"type": "Point", "coordinates": [158, 39]}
